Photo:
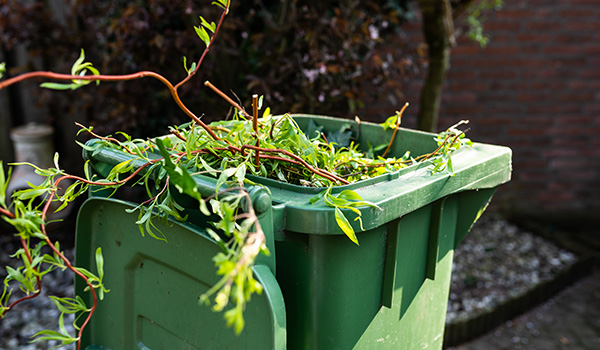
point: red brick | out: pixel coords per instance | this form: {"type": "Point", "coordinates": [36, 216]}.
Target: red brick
{"type": "Point", "coordinates": [552, 196]}
{"type": "Point", "coordinates": [499, 73]}
{"type": "Point", "coordinates": [575, 38]}
{"type": "Point", "coordinates": [530, 50]}
{"type": "Point", "coordinates": [573, 119]}
{"type": "Point", "coordinates": [463, 49]}
{"type": "Point", "coordinates": [497, 37]}
{"type": "Point", "coordinates": [504, 110]}
{"type": "Point", "coordinates": [576, 97]}
{"type": "Point", "coordinates": [582, 176]}
{"type": "Point", "coordinates": [534, 37]}
{"type": "Point", "coordinates": [559, 152]}
{"type": "Point", "coordinates": [542, 26]}
{"type": "Point", "coordinates": [502, 50]}
{"type": "Point", "coordinates": [503, 85]}
{"type": "Point", "coordinates": [530, 62]}
{"type": "Point", "coordinates": [569, 163]}
{"type": "Point", "coordinates": [459, 97]}
{"type": "Point", "coordinates": [518, 14]}
{"type": "Point", "coordinates": [494, 26]}
{"type": "Point", "coordinates": [563, 50]}
{"type": "Point", "coordinates": [593, 108]}
{"type": "Point", "coordinates": [570, 107]}
{"type": "Point", "coordinates": [529, 132]}
{"type": "Point", "coordinates": [583, 2]}
{"type": "Point", "coordinates": [583, 26]}
{"type": "Point", "coordinates": [542, 85]}
{"type": "Point", "coordinates": [574, 143]}
{"type": "Point", "coordinates": [574, 13]}
{"type": "Point", "coordinates": [592, 49]}
{"type": "Point", "coordinates": [532, 97]}
{"type": "Point", "coordinates": [543, 109]}
{"type": "Point", "coordinates": [464, 74]}
{"type": "Point", "coordinates": [466, 85]}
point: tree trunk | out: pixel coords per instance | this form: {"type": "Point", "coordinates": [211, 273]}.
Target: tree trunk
{"type": "Point", "coordinates": [437, 27]}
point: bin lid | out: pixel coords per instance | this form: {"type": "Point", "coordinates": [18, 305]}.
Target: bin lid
{"type": "Point", "coordinates": [155, 287]}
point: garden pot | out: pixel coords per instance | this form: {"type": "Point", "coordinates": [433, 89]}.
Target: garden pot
{"type": "Point", "coordinates": [321, 290]}
{"type": "Point", "coordinates": [33, 144]}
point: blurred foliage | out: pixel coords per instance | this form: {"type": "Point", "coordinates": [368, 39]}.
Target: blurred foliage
{"type": "Point", "coordinates": [331, 57]}
{"type": "Point", "coordinates": [327, 57]}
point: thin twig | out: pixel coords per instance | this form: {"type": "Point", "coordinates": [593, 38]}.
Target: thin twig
{"type": "Point", "coordinates": [227, 98]}
{"type": "Point", "coordinates": [317, 171]}
{"type": "Point", "coordinates": [178, 135]}
{"type": "Point", "coordinates": [225, 11]}
{"type": "Point", "coordinates": [399, 114]}
{"type": "Point", "coordinates": [255, 128]}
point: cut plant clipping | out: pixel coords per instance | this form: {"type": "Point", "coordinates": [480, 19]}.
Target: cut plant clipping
{"type": "Point", "coordinates": [252, 151]}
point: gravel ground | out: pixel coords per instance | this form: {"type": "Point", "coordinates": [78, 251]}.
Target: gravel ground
{"type": "Point", "coordinates": [32, 316]}
{"type": "Point", "coordinates": [495, 261]}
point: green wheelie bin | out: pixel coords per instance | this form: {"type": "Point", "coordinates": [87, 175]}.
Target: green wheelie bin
{"type": "Point", "coordinates": [322, 290]}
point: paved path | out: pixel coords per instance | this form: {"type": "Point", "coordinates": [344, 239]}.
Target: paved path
{"type": "Point", "coordinates": [569, 321]}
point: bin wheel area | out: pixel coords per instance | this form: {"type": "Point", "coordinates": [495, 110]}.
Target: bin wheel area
{"type": "Point", "coordinates": [155, 287]}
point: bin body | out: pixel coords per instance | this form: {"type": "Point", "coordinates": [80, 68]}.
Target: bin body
{"type": "Point", "coordinates": [391, 291]}
{"type": "Point", "coordinates": [155, 287]}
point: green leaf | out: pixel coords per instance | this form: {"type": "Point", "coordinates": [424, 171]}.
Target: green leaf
{"type": "Point", "coordinates": [208, 168]}
{"type": "Point", "coordinates": [210, 26]}
{"type": "Point", "coordinates": [345, 225]}
{"type": "Point", "coordinates": [58, 86]}
{"type": "Point", "coordinates": [192, 67]}
{"type": "Point", "coordinates": [122, 167]}
{"type": "Point", "coordinates": [2, 69]}
{"type": "Point", "coordinates": [260, 101]}
{"type": "Point", "coordinates": [178, 175]}
{"type": "Point", "coordinates": [77, 64]}
{"type": "Point", "coordinates": [4, 180]}
{"type": "Point", "coordinates": [225, 174]}
{"type": "Point", "coordinates": [56, 161]}
{"type": "Point", "coordinates": [267, 112]}
{"type": "Point", "coordinates": [224, 4]}
{"type": "Point", "coordinates": [31, 193]}
{"type": "Point", "coordinates": [349, 195]}
{"type": "Point", "coordinates": [341, 137]}
{"type": "Point", "coordinates": [69, 305]}
{"type": "Point", "coordinates": [240, 174]}
{"type": "Point", "coordinates": [100, 262]}
{"type": "Point", "coordinates": [203, 35]}
{"type": "Point", "coordinates": [314, 199]}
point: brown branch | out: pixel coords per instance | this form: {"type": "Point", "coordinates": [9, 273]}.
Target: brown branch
{"type": "Point", "coordinates": [317, 171]}
{"type": "Point", "coordinates": [179, 136]}
{"type": "Point", "coordinates": [101, 77]}
{"type": "Point", "coordinates": [227, 98]}
{"type": "Point", "coordinates": [399, 114]}
{"type": "Point", "coordinates": [7, 213]}
{"type": "Point", "coordinates": [255, 128]}
{"type": "Point", "coordinates": [225, 11]}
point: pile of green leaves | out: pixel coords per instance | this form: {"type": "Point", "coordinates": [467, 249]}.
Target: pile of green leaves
{"type": "Point", "coordinates": [280, 142]}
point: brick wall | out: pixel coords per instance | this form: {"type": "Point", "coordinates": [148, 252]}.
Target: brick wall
{"type": "Point", "coordinates": [536, 89]}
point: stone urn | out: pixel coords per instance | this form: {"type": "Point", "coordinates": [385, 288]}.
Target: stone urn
{"type": "Point", "coordinates": [33, 144]}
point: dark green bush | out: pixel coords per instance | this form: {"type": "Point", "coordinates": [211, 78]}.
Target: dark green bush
{"type": "Point", "coordinates": [331, 57]}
